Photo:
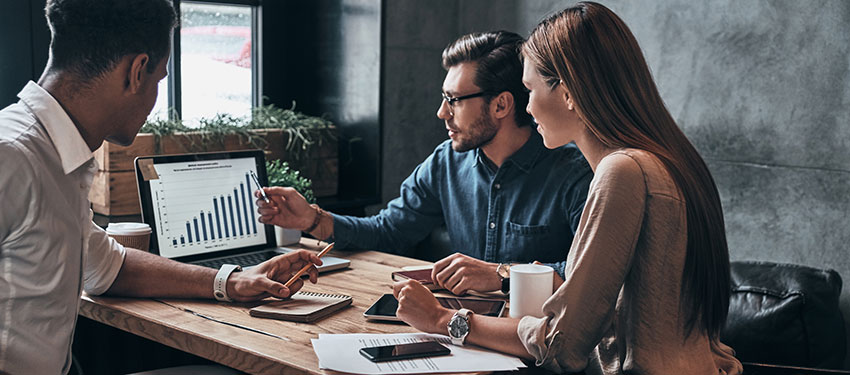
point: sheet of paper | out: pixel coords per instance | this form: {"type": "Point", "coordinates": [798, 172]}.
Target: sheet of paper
{"type": "Point", "coordinates": [340, 352]}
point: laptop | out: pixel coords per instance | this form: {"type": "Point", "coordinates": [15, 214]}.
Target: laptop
{"type": "Point", "coordinates": [202, 210]}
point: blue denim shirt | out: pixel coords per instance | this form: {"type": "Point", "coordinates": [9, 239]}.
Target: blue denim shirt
{"type": "Point", "coordinates": [526, 210]}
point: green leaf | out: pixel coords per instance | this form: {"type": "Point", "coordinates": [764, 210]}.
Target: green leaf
{"type": "Point", "coordinates": [280, 174]}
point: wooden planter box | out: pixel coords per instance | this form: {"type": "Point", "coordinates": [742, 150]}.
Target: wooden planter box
{"type": "Point", "coordinates": [114, 189]}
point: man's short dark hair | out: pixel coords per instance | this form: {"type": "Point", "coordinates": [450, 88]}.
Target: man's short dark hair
{"type": "Point", "coordinates": [91, 36]}
{"type": "Point", "coordinates": [499, 65]}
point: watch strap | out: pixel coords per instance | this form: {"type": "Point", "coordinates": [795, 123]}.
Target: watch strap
{"type": "Point", "coordinates": [220, 283]}
{"type": "Point", "coordinates": [504, 272]}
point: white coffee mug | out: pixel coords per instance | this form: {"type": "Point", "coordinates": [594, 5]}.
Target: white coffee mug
{"type": "Point", "coordinates": [531, 285]}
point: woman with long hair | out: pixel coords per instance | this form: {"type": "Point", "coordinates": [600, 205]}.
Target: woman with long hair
{"type": "Point", "coordinates": [647, 278]}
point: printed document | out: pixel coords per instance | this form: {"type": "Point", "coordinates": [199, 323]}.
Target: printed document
{"type": "Point", "coordinates": [341, 352]}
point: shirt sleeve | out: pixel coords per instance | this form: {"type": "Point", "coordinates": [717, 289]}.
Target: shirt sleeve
{"type": "Point", "coordinates": [15, 190]}
{"type": "Point", "coordinates": [405, 221]}
{"type": "Point", "coordinates": [580, 312]}
{"type": "Point", "coordinates": [104, 259]}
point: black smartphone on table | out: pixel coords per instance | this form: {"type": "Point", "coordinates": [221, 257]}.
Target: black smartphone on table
{"type": "Point", "coordinates": [404, 351]}
{"type": "Point", "coordinates": [384, 308]}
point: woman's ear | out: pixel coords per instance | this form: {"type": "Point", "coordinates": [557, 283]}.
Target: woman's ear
{"type": "Point", "coordinates": [568, 99]}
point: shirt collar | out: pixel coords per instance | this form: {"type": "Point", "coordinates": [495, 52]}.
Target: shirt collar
{"type": "Point", "coordinates": [525, 157]}
{"type": "Point", "coordinates": [72, 149]}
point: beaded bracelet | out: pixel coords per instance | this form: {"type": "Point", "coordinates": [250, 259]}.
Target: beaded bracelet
{"type": "Point", "coordinates": [316, 220]}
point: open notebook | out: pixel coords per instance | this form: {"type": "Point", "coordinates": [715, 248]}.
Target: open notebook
{"type": "Point", "coordinates": [302, 307]}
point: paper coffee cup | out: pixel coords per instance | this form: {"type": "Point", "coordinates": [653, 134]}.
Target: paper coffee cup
{"type": "Point", "coordinates": [531, 286]}
{"type": "Point", "coordinates": [135, 235]}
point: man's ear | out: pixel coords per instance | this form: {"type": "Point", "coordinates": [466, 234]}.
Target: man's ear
{"type": "Point", "coordinates": [502, 105]}
{"type": "Point", "coordinates": [137, 73]}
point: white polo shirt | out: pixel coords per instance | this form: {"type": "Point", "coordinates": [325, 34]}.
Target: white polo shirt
{"type": "Point", "coordinates": [49, 247]}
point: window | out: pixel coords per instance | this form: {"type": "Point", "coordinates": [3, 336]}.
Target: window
{"type": "Point", "coordinates": [213, 67]}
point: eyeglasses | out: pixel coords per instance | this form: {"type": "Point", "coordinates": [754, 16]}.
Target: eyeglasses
{"type": "Point", "coordinates": [453, 100]}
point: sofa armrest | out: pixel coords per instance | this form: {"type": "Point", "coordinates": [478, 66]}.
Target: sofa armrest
{"type": "Point", "coordinates": [785, 314]}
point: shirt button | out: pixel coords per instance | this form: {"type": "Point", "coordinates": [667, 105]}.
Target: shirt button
{"type": "Point", "coordinates": [498, 186]}
{"type": "Point", "coordinates": [492, 225]}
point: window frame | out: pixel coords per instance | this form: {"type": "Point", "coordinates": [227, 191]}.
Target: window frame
{"type": "Point", "coordinates": [175, 102]}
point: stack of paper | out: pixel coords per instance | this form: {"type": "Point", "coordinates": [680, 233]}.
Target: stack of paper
{"type": "Point", "coordinates": [342, 353]}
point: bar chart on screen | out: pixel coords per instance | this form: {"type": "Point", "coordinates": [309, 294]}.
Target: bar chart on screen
{"type": "Point", "coordinates": [203, 206]}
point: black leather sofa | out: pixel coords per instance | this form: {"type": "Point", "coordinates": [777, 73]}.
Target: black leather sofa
{"type": "Point", "coordinates": [785, 314]}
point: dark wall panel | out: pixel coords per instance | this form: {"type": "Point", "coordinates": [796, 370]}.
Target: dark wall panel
{"type": "Point", "coordinates": [326, 56]}
{"type": "Point", "coordinates": [15, 49]}
{"type": "Point", "coordinates": [24, 41]}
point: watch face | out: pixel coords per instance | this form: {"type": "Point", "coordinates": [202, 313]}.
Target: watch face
{"type": "Point", "coordinates": [458, 327]}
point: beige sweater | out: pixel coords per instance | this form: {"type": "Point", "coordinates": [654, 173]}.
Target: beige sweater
{"type": "Point", "coordinates": [624, 274]}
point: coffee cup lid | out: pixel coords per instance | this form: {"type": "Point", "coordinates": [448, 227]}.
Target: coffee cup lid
{"type": "Point", "coordinates": [128, 228]}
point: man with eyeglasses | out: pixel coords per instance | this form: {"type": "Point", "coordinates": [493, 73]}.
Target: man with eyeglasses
{"type": "Point", "coordinates": [502, 195]}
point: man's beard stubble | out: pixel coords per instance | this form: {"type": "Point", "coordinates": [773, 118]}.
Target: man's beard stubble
{"type": "Point", "coordinates": [479, 134]}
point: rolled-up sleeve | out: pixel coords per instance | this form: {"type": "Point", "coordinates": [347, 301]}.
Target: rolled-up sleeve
{"type": "Point", "coordinates": [580, 312]}
{"type": "Point", "coordinates": [404, 222]}
{"type": "Point", "coordinates": [104, 259]}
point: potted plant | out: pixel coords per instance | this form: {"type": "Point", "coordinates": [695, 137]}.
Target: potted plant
{"type": "Point", "coordinates": [280, 174]}
{"type": "Point", "coordinates": [308, 143]}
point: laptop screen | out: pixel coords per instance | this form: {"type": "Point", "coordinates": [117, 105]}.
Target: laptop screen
{"type": "Point", "coordinates": [202, 204]}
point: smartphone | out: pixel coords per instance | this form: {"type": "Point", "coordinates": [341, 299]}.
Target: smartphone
{"type": "Point", "coordinates": [404, 351]}
{"type": "Point", "coordinates": [384, 308]}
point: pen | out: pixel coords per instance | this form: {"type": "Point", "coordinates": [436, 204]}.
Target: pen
{"type": "Point", "coordinates": [307, 267]}
{"type": "Point", "coordinates": [262, 192]}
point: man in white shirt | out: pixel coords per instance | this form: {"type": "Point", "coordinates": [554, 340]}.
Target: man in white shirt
{"type": "Point", "coordinates": [100, 83]}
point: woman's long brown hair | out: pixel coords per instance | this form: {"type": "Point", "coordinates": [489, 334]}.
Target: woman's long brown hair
{"type": "Point", "coordinates": [593, 52]}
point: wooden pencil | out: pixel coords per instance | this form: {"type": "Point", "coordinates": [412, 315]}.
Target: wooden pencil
{"type": "Point", "coordinates": [307, 267]}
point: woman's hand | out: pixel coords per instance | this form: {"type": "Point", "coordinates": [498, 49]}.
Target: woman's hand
{"type": "Point", "coordinates": [418, 307]}
{"type": "Point", "coordinates": [267, 278]}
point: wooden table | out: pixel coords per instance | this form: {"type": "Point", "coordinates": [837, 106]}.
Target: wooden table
{"type": "Point", "coordinates": [291, 352]}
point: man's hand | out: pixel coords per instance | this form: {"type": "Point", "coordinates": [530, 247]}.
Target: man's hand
{"type": "Point", "coordinates": [418, 307]}
{"type": "Point", "coordinates": [459, 274]}
{"type": "Point", "coordinates": [267, 278]}
{"type": "Point", "coordinates": [287, 208]}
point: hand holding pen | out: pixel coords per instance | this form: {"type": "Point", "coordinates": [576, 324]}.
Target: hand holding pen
{"type": "Point", "coordinates": [308, 266]}
{"type": "Point", "coordinates": [284, 207]}
{"type": "Point", "coordinates": [260, 187]}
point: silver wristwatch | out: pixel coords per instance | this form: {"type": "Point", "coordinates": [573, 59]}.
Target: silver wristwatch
{"type": "Point", "coordinates": [459, 326]}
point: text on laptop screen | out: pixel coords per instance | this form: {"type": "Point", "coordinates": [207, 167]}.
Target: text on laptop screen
{"type": "Point", "coordinates": [205, 206]}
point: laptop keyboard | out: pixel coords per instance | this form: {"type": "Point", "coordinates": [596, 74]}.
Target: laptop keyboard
{"type": "Point", "coordinates": [244, 260]}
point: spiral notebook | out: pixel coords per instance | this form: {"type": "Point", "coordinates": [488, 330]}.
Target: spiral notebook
{"type": "Point", "coordinates": [302, 307]}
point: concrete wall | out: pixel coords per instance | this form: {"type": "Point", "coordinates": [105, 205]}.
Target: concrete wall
{"type": "Point", "coordinates": [762, 88]}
